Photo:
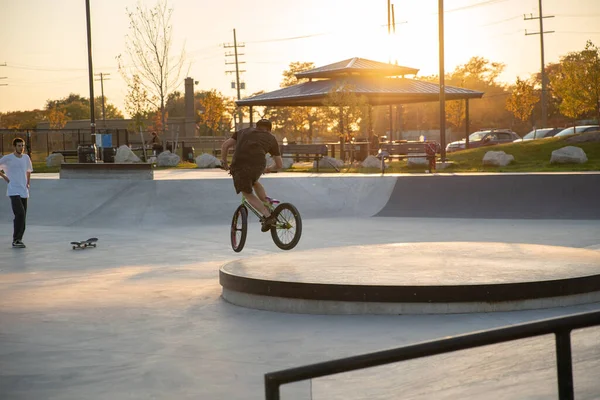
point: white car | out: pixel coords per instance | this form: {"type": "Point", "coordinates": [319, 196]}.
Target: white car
{"type": "Point", "coordinates": [577, 129]}
{"type": "Point", "coordinates": [543, 133]}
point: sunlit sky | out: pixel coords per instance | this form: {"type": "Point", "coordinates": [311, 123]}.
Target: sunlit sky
{"type": "Point", "coordinates": [44, 44]}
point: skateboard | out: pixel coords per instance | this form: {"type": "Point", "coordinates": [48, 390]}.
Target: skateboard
{"type": "Point", "coordinates": [91, 242]}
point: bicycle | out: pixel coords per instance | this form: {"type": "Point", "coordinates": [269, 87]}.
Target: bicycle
{"type": "Point", "coordinates": [285, 232]}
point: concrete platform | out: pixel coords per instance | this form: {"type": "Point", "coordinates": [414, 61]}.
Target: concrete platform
{"type": "Point", "coordinates": [415, 278]}
{"type": "Point", "coordinates": [131, 171]}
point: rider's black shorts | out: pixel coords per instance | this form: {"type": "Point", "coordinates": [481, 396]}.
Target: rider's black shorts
{"type": "Point", "coordinates": [244, 177]}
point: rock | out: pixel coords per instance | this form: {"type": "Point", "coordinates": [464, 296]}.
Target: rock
{"type": "Point", "coordinates": [287, 161]}
{"type": "Point", "coordinates": [206, 160]}
{"type": "Point", "coordinates": [372, 162]}
{"type": "Point", "coordinates": [568, 155]}
{"type": "Point", "coordinates": [167, 159]}
{"type": "Point", "coordinates": [54, 160]}
{"type": "Point", "coordinates": [497, 158]}
{"type": "Point", "coordinates": [126, 155]}
{"type": "Point", "coordinates": [417, 162]}
{"type": "Point", "coordinates": [328, 162]}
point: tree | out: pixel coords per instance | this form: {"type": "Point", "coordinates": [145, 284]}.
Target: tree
{"type": "Point", "coordinates": [477, 74]}
{"type": "Point", "coordinates": [522, 99]}
{"type": "Point", "coordinates": [176, 104]}
{"type": "Point", "coordinates": [578, 82]}
{"type": "Point", "coordinates": [22, 119]}
{"type": "Point", "coordinates": [57, 119]}
{"type": "Point", "coordinates": [345, 108]}
{"type": "Point", "coordinates": [76, 107]}
{"type": "Point", "coordinates": [212, 110]}
{"type": "Point", "coordinates": [289, 75]}
{"type": "Point", "coordinates": [137, 103]}
{"type": "Point", "coordinates": [148, 48]}
{"type": "Point", "coordinates": [294, 121]}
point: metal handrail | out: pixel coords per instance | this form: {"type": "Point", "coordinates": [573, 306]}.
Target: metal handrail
{"type": "Point", "coordinates": [560, 326]}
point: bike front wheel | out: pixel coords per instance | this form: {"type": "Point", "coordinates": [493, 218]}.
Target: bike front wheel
{"type": "Point", "coordinates": [288, 228]}
{"type": "Point", "coordinates": [239, 228]}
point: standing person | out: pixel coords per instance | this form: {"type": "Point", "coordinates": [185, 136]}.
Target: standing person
{"type": "Point", "coordinates": [156, 144]}
{"type": "Point", "coordinates": [249, 163]}
{"type": "Point", "coordinates": [15, 169]}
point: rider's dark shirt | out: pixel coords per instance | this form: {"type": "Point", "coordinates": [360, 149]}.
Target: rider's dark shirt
{"type": "Point", "coordinates": [251, 147]}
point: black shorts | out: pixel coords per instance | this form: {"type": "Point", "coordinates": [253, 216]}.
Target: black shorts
{"type": "Point", "coordinates": [245, 177]}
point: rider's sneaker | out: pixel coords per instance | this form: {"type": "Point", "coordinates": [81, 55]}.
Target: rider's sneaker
{"type": "Point", "coordinates": [18, 243]}
{"type": "Point", "coordinates": [268, 223]}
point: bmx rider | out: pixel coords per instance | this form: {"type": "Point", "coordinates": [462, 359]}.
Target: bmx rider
{"type": "Point", "coordinates": [249, 163]}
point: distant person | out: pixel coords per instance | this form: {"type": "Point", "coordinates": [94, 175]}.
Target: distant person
{"type": "Point", "coordinates": [156, 144]}
{"type": "Point", "coordinates": [375, 144]}
{"type": "Point", "coordinates": [15, 169]}
{"type": "Point", "coordinates": [249, 163]}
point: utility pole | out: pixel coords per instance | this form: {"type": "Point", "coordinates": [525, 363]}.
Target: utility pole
{"type": "Point", "coordinates": [442, 81]}
{"type": "Point", "coordinates": [237, 68]}
{"type": "Point", "coordinates": [90, 72]}
{"type": "Point", "coordinates": [544, 81]}
{"type": "Point", "coordinates": [3, 77]}
{"type": "Point", "coordinates": [102, 78]}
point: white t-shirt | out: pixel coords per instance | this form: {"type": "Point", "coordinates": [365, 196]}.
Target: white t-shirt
{"type": "Point", "coordinates": [16, 169]}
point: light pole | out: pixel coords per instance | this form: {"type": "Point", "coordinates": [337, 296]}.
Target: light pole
{"type": "Point", "coordinates": [91, 72]}
{"type": "Point", "coordinates": [442, 82]}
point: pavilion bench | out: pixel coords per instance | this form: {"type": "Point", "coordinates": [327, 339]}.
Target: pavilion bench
{"type": "Point", "coordinates": [305, 152]}
{"type": "Point", "coordinates": [407, 150]}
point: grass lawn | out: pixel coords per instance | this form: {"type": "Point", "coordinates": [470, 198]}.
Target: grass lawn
{"type": "Point", "coordinates": [531, 156]}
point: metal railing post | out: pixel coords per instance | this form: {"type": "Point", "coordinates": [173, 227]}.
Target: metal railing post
{"type": "Point", "coordinates": [564, 365]}
{"type": "Point", "coordinates": [271, 388]}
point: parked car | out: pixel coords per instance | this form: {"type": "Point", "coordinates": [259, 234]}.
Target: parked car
{"type": "Point", "coordinates": [577, 129]}
{"type": "Point", "coordinates": [543, 133]}
{"type": "Point", "coordinates": [484, 138]}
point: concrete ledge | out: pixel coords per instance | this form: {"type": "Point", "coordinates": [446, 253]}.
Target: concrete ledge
{"type": "Point", "coordinates": [307, 306]}
{"type": "Point", "coordinates": [415, 278]}
{"type": "Point", "coordinates": [107, 171]}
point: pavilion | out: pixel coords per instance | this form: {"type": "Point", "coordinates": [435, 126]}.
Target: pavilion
{"type": "Point", "coordinates": [380, 83]}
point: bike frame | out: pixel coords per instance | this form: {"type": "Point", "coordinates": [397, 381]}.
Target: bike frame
{"type": "Point", "coordinates": [269, 205]}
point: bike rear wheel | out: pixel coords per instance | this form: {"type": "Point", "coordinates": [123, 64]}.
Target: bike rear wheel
{"type": "Point", "coordinates": [239, 228]}
{"type": "Point", "coordinates": [287, 230]}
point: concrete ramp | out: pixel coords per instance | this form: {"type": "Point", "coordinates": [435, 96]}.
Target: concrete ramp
{"type": "Point", "coordinates": [512, 196]}
{"type": "Point", "coordinates": [191, 202]}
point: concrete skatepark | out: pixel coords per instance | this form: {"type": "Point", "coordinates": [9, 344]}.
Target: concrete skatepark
{"type": "Point", "coordinates": [142, 316]}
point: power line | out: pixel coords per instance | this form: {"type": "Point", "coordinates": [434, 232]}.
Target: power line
{"type": "Point", "coordinates": [476, 5]}
{"type": "Point", "coordinates": [3, 77]}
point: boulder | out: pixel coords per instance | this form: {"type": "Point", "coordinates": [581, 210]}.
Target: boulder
{"type": "Point", "coordinates": [287, 161]}
{"type": "Point", "coordinates": [497, 158]}
{"type": "Point", "coordinates": [167, 159]}
{"type": "Point", "coordinates": [126, 155]}
{"type": "Point", "coordinates": [206, 160]}
{"type": "Point", "coordinates": [417, 162]}
{"type": "Point", "coordinates": [568, 155]}
{"type": "Point", "coordinates": [54, 160]}
{"type": "Point", "coordinates": [329, 162]}
{"type": "Point", "coordinates": [372, 162]}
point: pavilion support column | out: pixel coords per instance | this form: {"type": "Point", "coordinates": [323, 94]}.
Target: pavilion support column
{"type": "Point", "coordinates": [342, 134]}
{"type": "Point", "coordinates": [467, 127]}
{"type": "Point", "coordinates": [391, 138]}
{"type": "Point", "coordinates": [251, 117]}
{"type": "Point", "coordinates": [369, 128]}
